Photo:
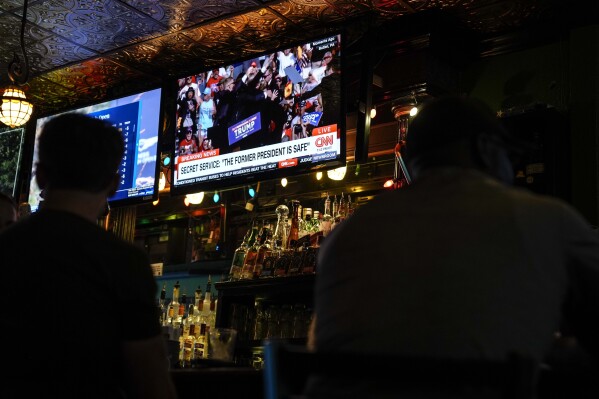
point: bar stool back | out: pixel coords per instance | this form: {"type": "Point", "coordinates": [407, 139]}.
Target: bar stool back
{"type": "Point", "coordinates": [288, 368]}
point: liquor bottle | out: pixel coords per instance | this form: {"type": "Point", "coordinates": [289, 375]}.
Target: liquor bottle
{"type": "Point", "coordinates": [294, 229]}
{"type": "Point", "coordinates": [207, 298]}
{"type": "Point", "coordinates": [250, 255]}
{"type": "Point", "coordinates": [211, 322]}
{"type": "Point", "coordinates": [341, 211]}
{"type": "Point", "coordinates": [200, 348]}
{"type": "Point", "coordinates": [198, 301]}
{"type": "Point", "coordinates": [188, 347]}
{"type": "Point", "coordinates": [239, 258]}
{"type": "Point", "coordinates": [327, 218]}
{"type": "Point", "coordinates": [173, 307]}
{"type": "Point", "coordinates": [270, 258]}
{"type": "Point", "coordinates": [305, 222]}
{"type": "Point", "coordinates": [282, 262]}
{"type": "Point", "coordinates": [350, 207]}
{"type": "Point", "coordinates": [295, 259]}
{"type": "Point", "coordinates": [335, 207]}
{"type": "Point", "coordinates": [181, 313]}
{"type": "Point", "coordinates": [162, 305]}
{"type": "Point", "coordinates": [315, 221]}
{"type": "Point", "coordinates": [263, 248]}
{"type": "Point", "coordinates": [310, 254]}
{"type": "Point", "coordinates": [281, 229]}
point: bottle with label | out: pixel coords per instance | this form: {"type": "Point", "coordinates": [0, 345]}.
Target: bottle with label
{"type": "Point", "coordinates": [283, 260]}
{"type": "Point", "coordinates": [350, 207]}
{"type": "Point", "coordinates": [295, 223]}
{"type": "Point", "coordinates": [162, 306]}
{"type": "Point", "coordinates": [173, 307]}
{"type": "Point", "coordinates": [334, 207]}
{"type": "Point", "coordinates": [281, 229]}
{"type": "Point", "coordinates": [270, 258]}
{"type": "Point", "coordinates": [188, 347]}
{"type": "Point", "coordinates": [263, 248]}
{"type": "Point", "coordinates": [327, 218]}
{"type": "Point", "coordinates": [250, 255]}
{"type": "Point", "coordinates": [211, 322]}
{"type": "Point", "coordinates": [182, 308]}
{"type": "Point", "coordinates": [341, 211]}
{"type": "Point", "coordinates": [239, 258]}
{"type": "Point", "coordinates": [197, 299]}
{"type": "Point", "coordinates": [305, 222]}
{"type": "Point", "coordinates": [207, 298]}
{"type": "Point", "coordinates": [315, 221]}
{"type": "Point", "coordinates": [295, 259]}
{"type": "Point", "coordinates": [309, 255]}
{"type": "Point", "coordinates": [200, 345]}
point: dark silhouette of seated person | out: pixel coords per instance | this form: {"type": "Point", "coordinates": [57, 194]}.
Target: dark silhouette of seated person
{"type": "Point", "coordinates": [466, 265]}
{"type": "Point", "coordinates": [89, 325]}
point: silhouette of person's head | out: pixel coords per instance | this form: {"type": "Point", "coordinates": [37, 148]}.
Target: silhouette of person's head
{"type": "Point", "coordinates": [461, 132]}
{"type": "Point", "coordinates": [97, 145]}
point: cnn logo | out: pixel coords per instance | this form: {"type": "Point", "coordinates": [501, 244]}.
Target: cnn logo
{"type": "Point", "coordinates": [323, 141]}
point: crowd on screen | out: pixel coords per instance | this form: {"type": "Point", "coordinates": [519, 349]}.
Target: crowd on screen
{"type": "Point", "coordinates": [282, 86]}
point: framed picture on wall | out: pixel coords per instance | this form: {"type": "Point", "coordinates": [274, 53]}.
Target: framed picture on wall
{"type": "Point", "coordinates": [11, 152]}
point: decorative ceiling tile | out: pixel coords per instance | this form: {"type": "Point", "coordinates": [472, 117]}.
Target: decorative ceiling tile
{"type": "Point", "coordinates": [10, 5]}
{"type": "Point", "coordinates": [182, 14]}
{"type": "Point", "coordinates": [303, 13]}
{"type": "Point", "coordinates": [81, 50]}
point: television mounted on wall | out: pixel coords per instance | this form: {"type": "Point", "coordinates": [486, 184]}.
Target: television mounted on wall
{"type": "Point", "coordinates": [271, 115]}
{"type": "Point", "coordinates": [138, 117]}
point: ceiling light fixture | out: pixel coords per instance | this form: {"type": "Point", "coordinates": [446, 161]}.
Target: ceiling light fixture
{"type": "Point", "coordinates": [16, 110]}
{"type": "Point", "coordinates": [318, 175]}
{"type": "Point", "coordinates": [337, 174]}
{"type": "Point", "coordinates": [284, 182]}
{"type": "Point", "coordinates": [194, 199]}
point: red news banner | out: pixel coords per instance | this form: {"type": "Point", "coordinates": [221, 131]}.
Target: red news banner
{"type": "Point", "coordinates": [324, 144]}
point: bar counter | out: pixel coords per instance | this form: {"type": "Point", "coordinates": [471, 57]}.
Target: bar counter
{"type": "Point", "coordinates": [218, 382]}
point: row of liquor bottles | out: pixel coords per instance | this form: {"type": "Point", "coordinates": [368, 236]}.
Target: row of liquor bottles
{"type": "Point", "coordinates": [189, 323]}
{"type": "Point", "coordinates": [181, 311]}
{"type": "Point", "coordinates": [292, 246]}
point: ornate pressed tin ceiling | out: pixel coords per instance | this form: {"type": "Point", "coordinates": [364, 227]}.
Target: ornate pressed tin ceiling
{"type": "Point", "coordinates": [81, 51]}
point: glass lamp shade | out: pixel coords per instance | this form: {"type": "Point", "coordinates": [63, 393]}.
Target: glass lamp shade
{"type": "Point", "coordinates": [337, 174]}
{"type": "Point", "coordinates": [16, 110]}
{"type": "Point", "coordinates": [194, 199]}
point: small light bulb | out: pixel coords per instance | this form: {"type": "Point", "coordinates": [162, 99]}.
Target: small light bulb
{"type": "Point", "coordinates": [284, 182]}
{"type": "Point", "coordinates": [318, 175]}
{"type": "Point", "coordinates": [413, 111]}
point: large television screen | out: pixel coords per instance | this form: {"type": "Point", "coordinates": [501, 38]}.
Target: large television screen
{"type": "Point", "coordinates": [275, 114]}
{"type": "Point", "coordinates": [138, 118]}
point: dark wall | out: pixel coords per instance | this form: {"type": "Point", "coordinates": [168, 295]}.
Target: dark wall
{"type": "Point", "coordinates": [563, 76]}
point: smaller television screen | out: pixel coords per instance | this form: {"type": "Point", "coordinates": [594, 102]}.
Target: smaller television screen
{"type": "Point", "coordinates": [138, 118]}
{"type": "Point", "coordinates": [272, 115]}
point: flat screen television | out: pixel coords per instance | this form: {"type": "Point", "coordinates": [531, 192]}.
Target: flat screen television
{"type": "Point", "coordinates": [138, 118]}
{"type": "Point", "coordinates": [278, 113]}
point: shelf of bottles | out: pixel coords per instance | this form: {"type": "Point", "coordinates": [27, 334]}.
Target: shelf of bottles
{"type": "Point", "coordinates": [291, 246]}
{"type": "Point", "coordinates": [268, 293]}
{"type": "Point", "coordinates": [187, 322]}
